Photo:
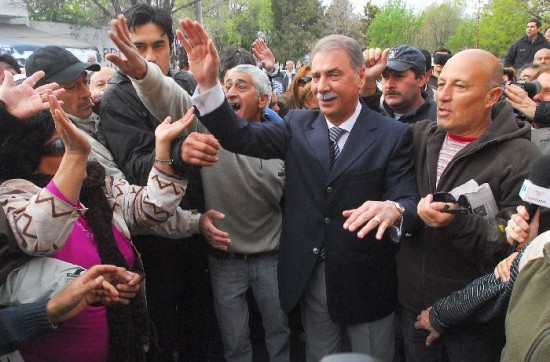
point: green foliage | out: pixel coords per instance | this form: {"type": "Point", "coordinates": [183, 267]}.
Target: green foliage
{"type": "Point", "coordinates": [292, 27]}
{"type": "Point", "coordinates": [61, 11]}
{"type": "Point", "coordinates": [235, 23]}
{"type": "Point", "coordinates": [340, 19]}
{"type": "Point", "coordinates": [394, 24]}
{"type": "Point", "coordinates": [464, 37]}
{"type": "Point", "coordinates": [438, 23]}
{"type": "Point", "coordinates": [501, 23]}
{"type": "Point", "coordinates": [297, 25]}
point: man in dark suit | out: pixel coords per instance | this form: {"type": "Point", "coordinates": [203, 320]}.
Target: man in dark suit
{"type": "Point", "coordinates": [362, 182]}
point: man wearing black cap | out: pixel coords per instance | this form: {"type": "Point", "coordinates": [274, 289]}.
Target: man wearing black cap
{"type": "Point", "coordinates": [62, 67]}
{"type": "Point", "coordinates": [403, 71]}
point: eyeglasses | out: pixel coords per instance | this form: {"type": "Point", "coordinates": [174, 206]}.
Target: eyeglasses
{"type": "Point", "coordinates": [55, 148]}
{"type": "Point", "coordinates": [304, 80]}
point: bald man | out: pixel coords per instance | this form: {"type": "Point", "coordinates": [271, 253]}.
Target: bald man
{"type": "Point", "coordinates": [542, 57]}
{"type": "Point", "coordinates": [474, 138]}
{"type": "Point", "coordinates": [99, 79]}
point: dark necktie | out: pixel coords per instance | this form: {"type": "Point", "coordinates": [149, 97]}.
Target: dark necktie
{"type": "Point", "coordinates": [334, 135]}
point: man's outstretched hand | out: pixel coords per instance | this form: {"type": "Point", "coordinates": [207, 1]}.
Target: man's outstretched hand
{"type": "Point", "coordinates": [204, 61]}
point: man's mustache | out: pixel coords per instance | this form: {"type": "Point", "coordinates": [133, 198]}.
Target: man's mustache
{"type": "Point", "coordinates": [392, 93]}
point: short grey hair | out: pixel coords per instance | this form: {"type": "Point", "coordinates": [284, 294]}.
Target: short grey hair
{"type": "Point", "coordinates": [259, 79]}
{"type": "Point", "coordinates": [341, 42]}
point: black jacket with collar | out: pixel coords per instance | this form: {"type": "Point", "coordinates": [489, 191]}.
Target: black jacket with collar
{"type": "Point", "coordinates": [428, 110]}
{"type": "Point", "coordinates": [523, 51]}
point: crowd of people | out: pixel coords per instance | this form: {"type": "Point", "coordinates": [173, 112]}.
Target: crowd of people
{"type": "Point", "coordinates": [369, 196]}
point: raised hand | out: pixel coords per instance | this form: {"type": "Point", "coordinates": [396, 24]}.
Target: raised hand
{"type": "Point", "coordinates": [204, 61]}
{"type": "Point", "coordinates": [168, 131]}
{"type": "Point", "coordinates": [519, 99]}
{"type": "Point", "coordinates": [71, 171]}
{"type": "Point", "coordinates": [74, 140]}
{"type": "Point", "coordinates": [23, 100]}
{"type": "Point", "coordinates": [264, 54]}
{"type": "Point", "coordinates": [134, 65]}
{"type": "Point", "coordinates": [376, 60]}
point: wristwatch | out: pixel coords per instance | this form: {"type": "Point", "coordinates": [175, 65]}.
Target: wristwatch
{"type": "Point", "coordinates": [399, 207]}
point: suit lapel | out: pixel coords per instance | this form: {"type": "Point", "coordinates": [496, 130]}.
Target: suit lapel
{"type": "Point", "coordinates": [317, 137]}
{"type": "Point", "coordinates": [361, 137]}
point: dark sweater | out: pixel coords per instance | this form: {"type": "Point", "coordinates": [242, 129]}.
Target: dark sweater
{"type": "Point", "coordinates": [22, 324]}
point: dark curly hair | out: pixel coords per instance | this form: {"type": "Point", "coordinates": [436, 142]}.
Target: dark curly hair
{"type": "Point", "coordinates": [20, 145]}
{"type": "Point", "coordinates": [20, 154]}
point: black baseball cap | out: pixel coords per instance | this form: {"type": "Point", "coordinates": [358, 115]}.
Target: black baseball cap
{"type": "Point", "coordinates": [403, 57]}
{"type": "Point", "coordinates": [59, 64]}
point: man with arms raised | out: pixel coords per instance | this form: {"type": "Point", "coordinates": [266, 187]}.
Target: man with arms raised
{"type": "Point", "coordinates": [336, 256]}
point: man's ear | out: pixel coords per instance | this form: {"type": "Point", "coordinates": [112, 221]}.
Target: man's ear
{"type": "Point", "coordinates": [263, 101]}
{"type": "Point", "coordinates": [424, 79]}
{"type": "Point", "coordinates": [493, 96]}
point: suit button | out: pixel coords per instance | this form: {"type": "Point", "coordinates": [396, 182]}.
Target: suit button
{"type": "Point", "coordinates": [315, 251]}
{"type": "Point", "coordinates": [327, 220]}
{"type": "Point", "coordinates": [329, 190]}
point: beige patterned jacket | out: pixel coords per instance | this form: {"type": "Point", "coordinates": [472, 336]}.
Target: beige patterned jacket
{"type": "Point", "coordinates": [42, 222]}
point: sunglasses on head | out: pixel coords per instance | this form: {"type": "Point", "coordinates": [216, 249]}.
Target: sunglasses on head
{"type": "Point", "coordinates": [55, 148]}
{"type": "Point", "coordinates": [304, 80]}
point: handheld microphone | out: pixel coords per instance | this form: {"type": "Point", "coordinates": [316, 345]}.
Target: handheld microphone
{"type": "Point", "coordinates": [536, 190]}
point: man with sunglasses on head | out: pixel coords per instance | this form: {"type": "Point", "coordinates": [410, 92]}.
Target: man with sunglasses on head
{"type": "Point", "coordinates": [404, 77]}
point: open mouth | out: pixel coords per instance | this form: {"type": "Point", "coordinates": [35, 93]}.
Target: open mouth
{"type": "Point", "coordinates": [235, 106]}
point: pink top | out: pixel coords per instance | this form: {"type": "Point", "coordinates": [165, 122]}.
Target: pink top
{"type": "Point", "coordinates": [85, 337]}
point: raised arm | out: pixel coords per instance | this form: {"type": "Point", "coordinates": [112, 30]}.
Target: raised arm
{"type": "Point", "coordinates": [204, 60]}
{"type": "Point", "coordinates": [145, 206]}
{"type": "Point", "coordinates": [22, 101]}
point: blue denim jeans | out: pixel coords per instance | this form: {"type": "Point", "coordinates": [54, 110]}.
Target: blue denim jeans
{"type": "Point", "coordinates": [469, 342]}
{"type": "Point", "coordinates": [230, 280]}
